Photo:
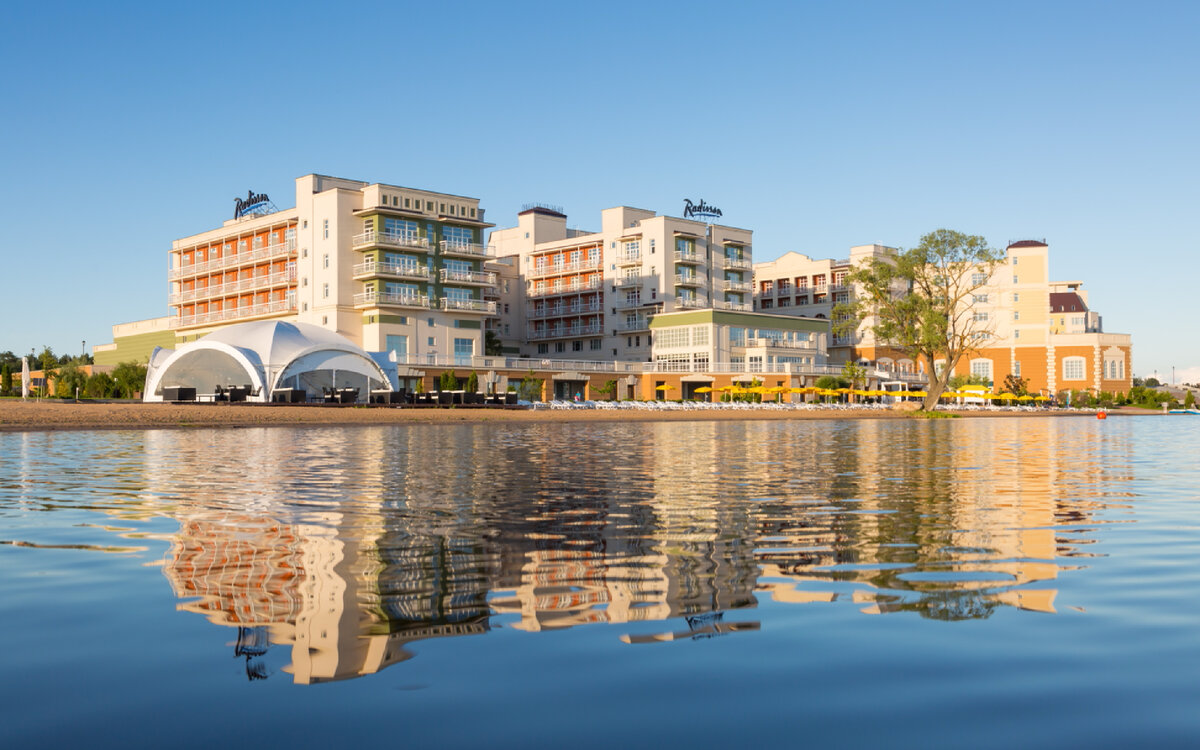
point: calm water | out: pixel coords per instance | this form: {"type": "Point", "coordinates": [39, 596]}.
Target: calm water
{"type": "Point", "coordinates": [985, 583]}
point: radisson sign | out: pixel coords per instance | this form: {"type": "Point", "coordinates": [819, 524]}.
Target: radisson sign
{"type": "Point", "coordinates": [699, 210]}
{"type": "Point", "coordinates": [253, 203]}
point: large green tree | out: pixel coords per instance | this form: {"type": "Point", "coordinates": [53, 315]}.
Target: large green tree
{"type": "Point", "coordinates": [130, 378]}
{"type": "Point", "coordinates": [921, 302]}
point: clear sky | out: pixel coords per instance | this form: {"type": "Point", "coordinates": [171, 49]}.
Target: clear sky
{"type": "Point", "coordinates": [818, 125]}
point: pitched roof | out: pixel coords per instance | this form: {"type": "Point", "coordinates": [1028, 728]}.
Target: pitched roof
{"type": "Point", "coordinates": [1066, 302]}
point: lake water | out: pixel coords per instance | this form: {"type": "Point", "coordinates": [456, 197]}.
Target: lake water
{"type": "Point", "coordinates": [1026, 582]}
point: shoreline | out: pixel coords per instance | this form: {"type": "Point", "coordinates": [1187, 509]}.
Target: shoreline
{"type": "Point", "coordinates": [18, 416]}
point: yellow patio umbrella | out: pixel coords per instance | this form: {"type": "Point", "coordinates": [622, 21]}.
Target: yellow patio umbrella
{"type": "Point", "coordinates": [1026, 397]}
{"type": "Point", "coordinates": [1041, 398]}
{"type": "Point", "coordinates": [704, 389]}
{"type": "Point", "coordinates": [1006, 396]}
{"type": "Point", "coordinates": [664, 387]}
{"type": "Point", "coordinates": [918, 394]}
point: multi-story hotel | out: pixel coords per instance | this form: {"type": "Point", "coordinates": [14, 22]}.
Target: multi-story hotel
{"type": "Point", "coordinates": [591, 295]}
{"type": "Point", "coordinates": [1030, 327]}
{"type": "Point", "coordinates": [390, 268]}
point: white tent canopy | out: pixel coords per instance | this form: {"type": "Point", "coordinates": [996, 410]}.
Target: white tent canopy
{"type": "Point", "coordinates": [267, 355]}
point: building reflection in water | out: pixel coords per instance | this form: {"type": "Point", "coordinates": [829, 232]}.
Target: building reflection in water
{"type": "Point", "coordinates": [352, 544]}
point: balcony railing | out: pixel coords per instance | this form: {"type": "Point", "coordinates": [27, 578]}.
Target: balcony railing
{"type": "Point", "coordinates": [780, 344]}
{"type": "Point", "coordinates": [485, 278]}
{"type": "Point", "coordinates": [737, 263]}
{"type": "Point", "coordinates": [234, 313]}
{"type": "Point", "coordinates": [559, 332]}
{"type": "Point", "coordinates": [234, 260]}
{"type": "Point", "coordinates": [629, 259]}
{"type": "Point", "coordinates": [627, 281]}
{"type": "Point", "coordinates": [469, 305]}
{"type": "Point", "coordinates": [572, 288]}
{"type": "Point", "coordinates": [682, 279]}
{"type": "Point", "coordinates": [214, 291]}
{"type": "Point", "coordinates": [736, 286]}
{"type": "Point", "coordinates": [464, 249]}
{"type": "Point", "coordinates": [738, 306]}
{"type": "Point", "coordinates": [554, 311]}
{"type": "Point", "coordinates": [688, 257]}
{"type": "Point", "coordinates": [385, 268]}
{"type": "Point", "coordinates": [553, 269]}
{"type": "Point", "coordinates": [637, 324]}
{"type": "Point", "coordinates": [392, 299]}
{"type": "Point", "coordinates": [404, 240]}
{"type": "Point", "coordinates": [691, 302]}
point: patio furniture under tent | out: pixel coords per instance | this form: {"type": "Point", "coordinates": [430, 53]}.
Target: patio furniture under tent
{"type": "Point", "coordinates": [263, 356]}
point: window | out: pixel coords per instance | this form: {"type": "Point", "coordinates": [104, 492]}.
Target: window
{"type": "Point", "coordinates": [700, 336]}
{"type": "Point", "coordinates": [1073, 368]}
{"type": "Point", "coordinates": [673, 337]}
{"type": "Point", "coordinates": [1015, 279]}
{"type": "Point", "coordinates": [1016, 314]}
{"type": "Point", "coordinates": [543, 349]}
{"type": "Point", "coordinates": [325, 228]}
{"type": "Point", "coordinates": [1016, 296]}
{"type": "Point", "coordinates": [1015, 259]}
{"type": "Point", "coordinates": [325, 291]}
{"type": "Point", "coordinates": [464, 349]}
{"type": "Point", "coordinates": [982, 368]}
{"type": "Point", "coordinates": [978, 279]}
{"type": "Point", "coordinates": [304, 281]}
{"type": "Point", "coordinates": [324, 320]}
{"type": "Point", "coordinates": [397, 344]}
{"type": "Point", "coordinates": [560, 347]}
{"type": "Point", "coordinates": [980, 298]}
{"type": "Point", "coordinates": [325, 260]}
{"type": "Point", "coordinates": [980, 317]}
{"type": "Point", "coordinates": [430, 341]}
{"type": "Point", "coordinates": [1017, 369]}
{"type": "Point", "coordinates": [576, 346]}
{"type": "Point", "coordinates": [1017, 334]}
{"type": "Point", "coordinates": [595, 344]}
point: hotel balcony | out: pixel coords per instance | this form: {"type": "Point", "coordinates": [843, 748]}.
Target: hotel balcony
{"type": "Point", "coordinates": [562, 332]}
{"type": "Point", "coordinates": [691, 303]}
{"type": "Point", "coordinates": [402, 240]}
{"type": "Point", "coordinates": [736, 264]}
{"type": "Point", "coordinates": [628, 304]}
{"type": "Point", "coordinates": [396, 270]}
{"type": "Point", "coordinates": [469, 305]}
{"type": "Point", "coordinates": [736, 286]}
{"type": "Point", "coordinates": [216, 291]}
{"type": "Point", "coordinates": [468, 278]}
{"type": "Point", "coordinates": [464, 249]}
{"type": "Point", "coordinates": [692, 258]}
{"type": "Point", "coordinates": [234, 260]}
{"type": "Point", "coordinates": [736, 306]}
{"type": "Point", "coordinates": [780, 344]}
{"type": "Point", "coordinates": [245, 312]}
{"type": "Point", "coordinates": [392, 299]}
{"type": "Point", "coordinates": [554, 269]}
{"type": "Point", "coordinates": [554, 311]}
{"type": "Point", "coordinates": [683, 279]}
{"type": "Point", "coordinates": [639, 323]}
{"type": "Point", "coordinates": [624, 282]}
{"type": "Point", "coordinates": [629, 259]}
{"type": "Point", "coordinates": [572, 288]}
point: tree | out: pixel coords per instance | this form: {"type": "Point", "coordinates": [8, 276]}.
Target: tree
{"type": "Point", "coordinates": [448, 381]}
{"type": "Point", "coordinates": [49, 364]}
{"type": "Point", "coordinates": [491, 344]}
{"type": "Point", "coordinates": [1015, 385]}
{"type": "Point", "coordinates": [608, 389]}
{"type": "Point", "coordinates": [1189, 400]}
{"type": "Point", "coordinates": [99, 385]}
{"type": "Point", "coordinates": [473, 383]}
{"type": "Point", "coordinates": [854, 374]}
{"type": "Point", "coordinates": [71, 380]}
{"type": "Point", "coordinates": [130, 379]}
{"type": "Point", "coordinates": [920, 301]}
{"type": "Point", "coordinates": [6, 378]}
{"type": "Point", "coordinates": [1151, 383]}
{"type": "Point", "coordinates": [530, 388]}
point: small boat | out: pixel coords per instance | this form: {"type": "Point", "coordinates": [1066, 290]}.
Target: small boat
{"type": "Point", "coordinates": [1184, 411]}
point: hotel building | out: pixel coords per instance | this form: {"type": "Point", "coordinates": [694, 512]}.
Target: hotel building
{"type": "Point", "coordinates": [591, 295]}
{"type": "Point", "coordinates": [390, 268]}
{"type": "Point", "coordinates": [1030, 327]}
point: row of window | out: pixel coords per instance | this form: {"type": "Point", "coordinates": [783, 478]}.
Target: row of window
{"type": "Point", "coordinates": [576, 346]}
{"type": "Point", "coordinates": [1073, 368]}
{"type": "Point", "coordinates": [784, 286]}
{"type": "Point", "coordinates": [449, 209]}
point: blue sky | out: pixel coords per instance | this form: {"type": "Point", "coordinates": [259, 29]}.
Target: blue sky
{"type": "Point", "coordinates": [818, 125]}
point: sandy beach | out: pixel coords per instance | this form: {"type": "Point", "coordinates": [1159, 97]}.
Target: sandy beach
{"type": "Point", "coordinates": [67, 415]}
